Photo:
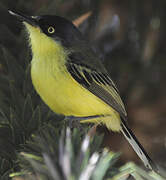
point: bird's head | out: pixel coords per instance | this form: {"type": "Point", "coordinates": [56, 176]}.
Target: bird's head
{"type": "Point", "coordinates": [47, 31]}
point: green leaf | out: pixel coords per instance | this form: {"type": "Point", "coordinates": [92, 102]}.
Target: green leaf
{"type": "Point", "coordinates": [35, 122]}
{"type": "Point", "coordinates": [27, 83]}
{"type": "Point", "coordinates": [16, 72]}
{"type": "Point", "coordinates": [18, 131]}
{"type": "Point", "coordinates": [107, 160]}
{"type": "Point", "coordinates": [27, 111]}
{"type": "Point", "coordinates": [5, 132]}
{"type": "Point", "coordinates": [17, 100]}
{"type": "Point", "coordinates": [7, 150]}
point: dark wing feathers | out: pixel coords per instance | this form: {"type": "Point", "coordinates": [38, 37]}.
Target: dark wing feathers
{"type": "Point", "coordinates": [78, 74]}
{"type": "Point", "coordinates": [98, 83]}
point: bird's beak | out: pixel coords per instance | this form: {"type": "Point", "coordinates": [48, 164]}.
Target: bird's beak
{"type": "Point", "coordinates": [32, 20]}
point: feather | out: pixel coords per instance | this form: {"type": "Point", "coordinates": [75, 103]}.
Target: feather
{"type": "Point", "coordinates": [99, 84]}
{"type": "Point", "coordinates": [138, 148]}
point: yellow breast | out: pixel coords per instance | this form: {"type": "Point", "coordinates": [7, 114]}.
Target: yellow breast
{"type": "Point", "coordinates": [56, 86]}
{"type": "Point", "coordinates": [63, 94]}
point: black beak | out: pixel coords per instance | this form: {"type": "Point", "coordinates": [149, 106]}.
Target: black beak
{"type": "Point", "coordinates": [32, 20]}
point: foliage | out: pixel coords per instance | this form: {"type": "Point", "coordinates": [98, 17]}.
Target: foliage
{"type": "Point", "coordinates": [66, 156]}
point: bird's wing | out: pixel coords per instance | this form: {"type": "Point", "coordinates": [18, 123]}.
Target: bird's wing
{"type": "Point", "coordinates": [98, 83]}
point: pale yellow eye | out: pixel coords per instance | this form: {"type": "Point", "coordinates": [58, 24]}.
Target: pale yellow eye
{"type": "Point", "coordinates": [51, 30]}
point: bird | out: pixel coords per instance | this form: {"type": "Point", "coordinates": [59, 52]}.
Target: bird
{"type": "Point", "coordinates": [71, 79]}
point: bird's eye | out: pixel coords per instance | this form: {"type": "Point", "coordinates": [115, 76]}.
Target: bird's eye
{"type": "Point", "coordinates": [51, 30]}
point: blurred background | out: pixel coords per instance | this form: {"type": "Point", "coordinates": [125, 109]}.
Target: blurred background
{"type": "Point", "coordinates": [129, 36]}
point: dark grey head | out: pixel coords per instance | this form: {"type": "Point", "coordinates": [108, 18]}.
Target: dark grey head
{"type": "Point", "coordinates": [56, 27]}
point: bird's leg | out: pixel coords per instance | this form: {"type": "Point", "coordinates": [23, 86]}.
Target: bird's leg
{"type": "Point", "coordinates": [74, 121]}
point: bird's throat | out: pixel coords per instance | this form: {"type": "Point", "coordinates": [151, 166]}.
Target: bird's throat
{"type": "Point", "coordinates": [44, 47]}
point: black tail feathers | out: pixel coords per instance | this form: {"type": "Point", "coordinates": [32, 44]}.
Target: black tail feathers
{"type": "Point", "coordinates": [138, 148]}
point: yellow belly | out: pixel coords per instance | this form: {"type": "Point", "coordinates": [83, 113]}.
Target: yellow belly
{"type": "Point", "coordinates": [65, 96]}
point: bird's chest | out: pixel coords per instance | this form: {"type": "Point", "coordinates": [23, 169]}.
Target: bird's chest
{"type": "Point", "coordinates": [62, 93]}
{"type": "Point", "coordinates": [49, 80]}
{"type": "Point", "coordinates": [56, 87]}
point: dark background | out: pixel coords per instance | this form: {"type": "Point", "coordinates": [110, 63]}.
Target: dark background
{"type": "Point", "coordinates": [130, 39]}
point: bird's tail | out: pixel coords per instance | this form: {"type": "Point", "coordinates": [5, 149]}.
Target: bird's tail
{"type": "Point", "coordinates": [137, 147]}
